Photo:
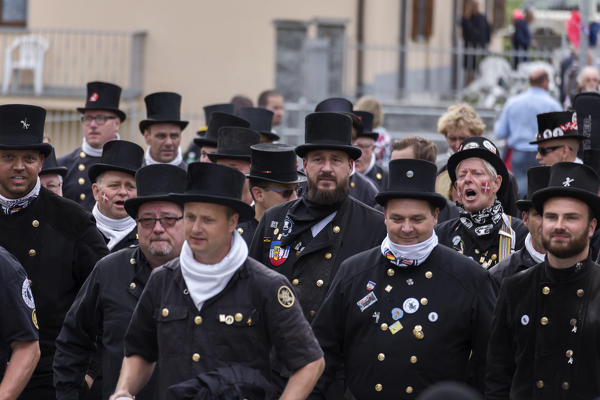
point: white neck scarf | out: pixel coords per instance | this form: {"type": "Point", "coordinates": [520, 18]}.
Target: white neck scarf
{"type": "Point", "coordinates": [409, 255]}
{"type": "Point", "coordinates": [205, 281]}
{"type": "Point", "coordinates": [11, 206]}
{"type": "Point", "coordinates": [92, 151]}
{"type": "Point", "coordinates": [371, 165]}
{"type": "Point", "coordinates": [176, 161]}
{"type": "Point", "coordinates": [537, 256]}
{"type": "Point", "coordinates": [113, 229]}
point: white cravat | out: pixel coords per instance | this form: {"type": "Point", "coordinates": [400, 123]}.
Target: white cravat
{"type": "Point", "coordinates": [537, 256]}
{"type": "Point", "coordinates": [150, 161]}
{"type": "Point", "coordinates": [113, 229]}
{"type": "Point", "coordinates": [92, 151]}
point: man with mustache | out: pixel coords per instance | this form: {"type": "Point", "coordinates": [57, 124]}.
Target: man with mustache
{"type": "Point", "coordinates": [544, 341]}
{"type": "Point", "coordinates": [482, 231]}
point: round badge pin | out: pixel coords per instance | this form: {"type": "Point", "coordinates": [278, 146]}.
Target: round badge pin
{"type": "Point", "coordinates": [525, 319]}
{"type": "Point", "coordinates": [397, 313]}
{"type": "Point", "coordinates": [433, 317]}
{"type": "Point", "coordinates": [410, 305]}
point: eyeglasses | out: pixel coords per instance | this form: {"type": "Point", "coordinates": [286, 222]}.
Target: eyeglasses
{"type": "Point", "coordinates": [166, 222]}
{"type": "Point", "coordinates": [285, 193]}
{"type": "Point", "coordinates": [546, 150]}
{"type": "Point", "coordinates": [100, 119]}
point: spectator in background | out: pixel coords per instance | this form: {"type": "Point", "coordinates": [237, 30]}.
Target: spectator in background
{"type": "Point", "coordinates": [476, 36]}
{"type": "Point", "coordinates": [240, 101]}
{"type": "Point", "coordinates": [272, 100]}
{"type": "Point", "coordinates": [588, 80]}
{"type": "Point", "coordinates": [521, 39]}
{"type": "Point", "coordinates": [383, 145]}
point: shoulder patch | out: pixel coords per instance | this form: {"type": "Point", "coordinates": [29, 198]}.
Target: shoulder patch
{"type": "Point", "coordinates": [27, 295]}
{"type": "Point", "coordinates": [285, 296]}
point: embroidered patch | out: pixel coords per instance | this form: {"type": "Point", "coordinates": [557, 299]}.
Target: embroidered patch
{"type": "Point", "coordinates": [371, 285]}
{"type": "Point", "coordinates": [366, 301]}
{"type": "Point", "coordinates": [278, 254]}
{"type": "Point", "coordinates": [288, 224]}
{"type": "Point", "coordinates": [27, 295]}
{"type": "Point", "coordinates": [274, 224]}
{"type": "Point", "coordinates": [410, 305]}
{"type": "Point", "coordinates": [285, 296]}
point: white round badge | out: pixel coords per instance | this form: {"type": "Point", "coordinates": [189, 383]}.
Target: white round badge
{"type": "Point", "coordinates": [27, 295]}
{"type": "Point", "coordinates": [525, 319]}
{"type": "Point", "coordinates": [433, 316]}
{"type": "Point", "coordinates": [410, 305]}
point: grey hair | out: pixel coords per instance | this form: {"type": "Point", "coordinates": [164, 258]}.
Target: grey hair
{"type": "Point", "coordinates": [490, 169]}
{"type": "Point", "coordinates": [583, 71]}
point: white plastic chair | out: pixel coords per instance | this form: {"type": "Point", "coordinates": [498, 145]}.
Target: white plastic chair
{"type": "Point", "coordinates": [31, 50]}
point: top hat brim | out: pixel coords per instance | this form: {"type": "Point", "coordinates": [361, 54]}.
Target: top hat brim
{"type": "Point", "coordinates": [371, 135]}
{"type": "Point", "coordinates": [44, 148]}
{"type": "Point", "coordinates": [244, 210]}
{"type": "Point", "coordinates": [352, 151]}
{"type": "Point", "coordinates": [133, 205]}
{"type": "Point", "coordinates": [486, 155]}
{"type": "Point", "coordinates": [200, 141]}
{"type": "Point", "coordinates": [99, 168]}
{"type": "Point", "coordinates": [144, 124]}
{"type": "Point", "coordinates": [436, 199]}
{"type": "Point", "coordinates": [216, 156]}
{"type": "Point", "coordinates": [524, 205]}
{"type": "Point", "coordinates": [591, 199]}
{"type": "Point", "coordinates": [121, 114]}
{"type": "Point", "coordinates": [270, 135]}
{"type": "Point", "coordinates": [578, 137]}
{"type": "Point", "coordinates": [300, 179]}
{"type": "Point", "coordinates": [62, 171]}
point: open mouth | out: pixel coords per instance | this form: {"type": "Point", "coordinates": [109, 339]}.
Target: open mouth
{"type": "Point", "coordinates": [120, 203]}
{"type": "Point", "coordinates": [470, 194]}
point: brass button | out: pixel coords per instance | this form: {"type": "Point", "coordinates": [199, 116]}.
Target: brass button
{"type": "Point", "coordinates": [476, 251]}
{"type": "Point", "coordinates": [413, 359]}
{"type": "Point", "coordinates": [544, 321]}
{"type": "Point", "coordinates": [409, 389]}
{"type": "Point", "coordinates": [165, 312]}
{"type": "Point", "coordinates": [197, 320]}
{"type": "Point", "coordinates": [424, 301]}
{"type": "Point", "coordinates": [381, 356]}
{"type": "Point", "coordinates": [428, 274]}
{"type": "Point", "coordinates": [82, 196]}
{"type": "Point", "coordinates": [238, 317]}
{"type": "Point", "coordinates": [384, 326]}
{"type": "Point", "coordinates": [320, 282]}
{"type": "Point", "coordinates": [352, 185]}
{"type": "Point", "coordinates": [81, 181]}
{"type": "Point", "coordinates": [240, 231]}
{"type": "Point", "coordinates": [32, 252]}
{"type": "Point", "coordinates": [336, 229]}
{"type": "Point", "coordinates": [565, 385]}
{"type": "Point", "coordinates": [391, 272]}
{"type": "Point", "coordinates": [378, 387]}
{"type": "Point", "coordinates": [132, 261]}
{"type": "Point", "coordinates": [312, 313]}
{"type": "Point", "coordinates": [539, 384]}
{"type": "Point", "coordinates": [379, 176]}
{"type": "Point", "coordinates": [418, 328]}
{"type": "Point", "coordinates": [297, 253]}
{"type": "Point", "coordinates": [295, 282]}
{"type": "Point", "coordinates": [81, 167]}
{"type": "Point", "coordinates": [132, 286]}
{"type": "Point", "coordinates": [35, 223]}
{"type": "Point", "coordinates": [82, 154]}
{"type": "Point", "coordinates": [196, 357]}
{"type": "Point", "coordinates": [494, 257]}
{"type": "Point", "coordinates": [573, 322]}
{"type": "Point", "coordinates": [276, 231]}
{"type": "Point", "coordinates": [328, 256]}
{"type": "Point", "coordinates": [579, 292]}
{"type": "Point", "coordinates": [569, 353]}
{"type": "Point", "coordinates": [546, 290]}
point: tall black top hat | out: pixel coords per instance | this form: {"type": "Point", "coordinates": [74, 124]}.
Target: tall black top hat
{"type": "Point", "coordinates": [411, 179]}
{"type": "Point", "coordinates": [587, 106]}
{"type": "Point", "coordinates": [537, 178]}
{"type": "Point", "coordinates": [340, 105]}
{"type": "Point", "coordinates": [479, 147]}
{"type": "Point", "coordinates": [214, 183]}
{"type": "Point", "coordinates": [163, 107]}
{"type": "Point", "coordinates": [260, 120]}
{"type": "Point", "coordinates": [103, 96]}
{"type": "Point", "coordinates": [235, 142]}
{"type": "Point", "coordinates": [367, 122]}
{"type": "Point", "coordinates": [50, 166]}
{"type": "Point", "coordinates": [274, 163]}
{"type": "Point", "coordinates": [570, 180]}
{"type": "Point", "coordinates": [118, 155]}
{"type": "Point", "coordinates": [217, 121]}
{"type": "Point", "coordinates": [557, 125]}
{"type": "Point", "coordinates": [156, 182]}
{"type": "Point", "coordinates": [22, 128]}
{"type": "Point", "coordinates": [325, 130]}
{"type": "Point", "coordinates": [227, 108]}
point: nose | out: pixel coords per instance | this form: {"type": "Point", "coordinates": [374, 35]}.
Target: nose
{"type": "Point", "coordinates": [406, 227]}
{"type": "Point", "coordinates": [538, 157]}
{"type": "Point", "coordinates": [19, 164]}
{"type": "Point", "coordinates": [158, 228]}
{"type": "Point", "coordinates": [327, 165]}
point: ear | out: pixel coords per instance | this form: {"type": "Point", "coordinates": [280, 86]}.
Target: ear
{"type": "Point", "coordinates": [233, 221]}
{"type": "Point", "coordinates": [436, 214]}
{"type": "Point", "coordinates": [497, 183]}
{"type": "Point", "coordinates": [147, 136]}
{"type": "Point", "coordinates": [257, 194]}
{"type": "Point", "coordinates": [117, 122]}
{"type": "Point", "coordinates": [95, 191]}
{"type": "Point", "coordinates": [592, 227]}
{"type": "Point", "coordinates": [525, 218]}
{"type": "Point", "coordinates": [304, 162]}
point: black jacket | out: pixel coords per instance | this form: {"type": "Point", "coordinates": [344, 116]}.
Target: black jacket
{"type": "Point", "coordinates": [382, 356]}
{"type": "Point", "coordinates": [519, 261]}
{"type": "Point", "coordinates": [363, 189]}
{"type": "Point", "coordinates": [103, 308]}
{"type": "Point", "coordinates": [76, 184]}
{"type": "Point", "coordinates": [312, 263]}
{"type": "Point", "coordinates": [130, 240]}
{"type": "Point", "coordinates": [379, 176]}
{"type": "Point", "coordinates": [247, 229]}
{"type": "Point", "coordinates": [544, 342]}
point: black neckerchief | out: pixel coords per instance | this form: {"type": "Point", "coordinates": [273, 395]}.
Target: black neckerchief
{"type": "Point", "coordinates": [484, 223]}
{"type": "Point", "coordinates": [304, 214]}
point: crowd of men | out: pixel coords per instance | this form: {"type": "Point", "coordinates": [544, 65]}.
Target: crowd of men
{"type": "Point", "coordinates": [319, 271]}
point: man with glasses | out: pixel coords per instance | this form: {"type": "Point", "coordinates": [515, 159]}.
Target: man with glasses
{"type": "Point", "coordinates": [106, 302]}
{"type": "Point", "coordinates": [558, 138]}
{"type": "Point", "coordinates": [101, 121]}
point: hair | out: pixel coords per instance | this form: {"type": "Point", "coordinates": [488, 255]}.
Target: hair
{"type": "Point", "coordinates": [424, 149]}
{"type": "Point", "coordinates": [490, 169]}
{"type": "Point", "coordinates": [459, 116]}
{"type": "Point", "coordinates": [263, 97]}
{"type": "Point", "coordinates": [372, 105]}
{"type": "Point", "coordinates": [240, 101]}
{"type": "Point", "coordinates": [584, 70]}
{"type": "Point", "coordinates": [538, 76]}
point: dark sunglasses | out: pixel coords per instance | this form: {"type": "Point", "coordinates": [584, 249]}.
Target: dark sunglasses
{"type": "Point", "coordinates": [166, 222]}
{"type": "Point", "coordinates": [285, 193]}
{"type": "Point", "coordinates": [547, 150]}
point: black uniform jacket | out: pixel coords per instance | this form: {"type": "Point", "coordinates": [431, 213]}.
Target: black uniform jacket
{"type": "Point", "coordinates": [17, 307]}
{"type": "Point", "coordinates": [449, 212]}
{"type": "Point", "coordinates": [361, 188]}
{"type": "Point", "coordinates": [130, 240]}
{"type": "Point", "coordinates": [102, 308]}
{"type": "Point", "coordinates": [545, 336]}
{"type": "Point", "coordinates": [76, 184]}
{"type": "Point", "coordinates": [369, 322]}
{"type": "Point", "coordinates": [379, 176]}
{"type": "Point", "coordinates": [58, 244]}
{"type": "Point", "coordinates": [255, 313]}
{"type": "Point", "coordinates": [454, 234]}
{"type": "Point", "coordinates": [518, 261]}
{"type": "Point", "coordinates": [247, 229]}
{"type": "Point", "coordinates": [312, 263]}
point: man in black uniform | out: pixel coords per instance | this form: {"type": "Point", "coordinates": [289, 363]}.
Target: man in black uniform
{"type": "Point", "coordinates": [52, 175]}
{"type": "Point", "coordinates": [408, 312]}
{"type": "Point", "coordinates": [19, 346]}
{"type": "Point", "coordinates": [55, 240]}
{"type": "Point", "coordinates": [533, 252]}
{"type": "Point", "coordinates": [365, 140]}
{"type": "Point", "coordinates": [307, 239]}
{"type": "Point", "coordinates": [208, 142]}
{"type": "Point", "coordinates": [162, 129]}
{"type": "Point", "coordinates": [482, 231]}
{"type": "Point", "coordinates": [101, 121]}
{"type": "Point", "coordinates": [544, 341]}
{"type": "Point", "coordinates": [113, 182]}
{"type": "Point", "coordinates": [106, 301]}
{"type": "Point", "coordinates": [214, 306]}
{"type": "Point", "coordinates": [273, 179]}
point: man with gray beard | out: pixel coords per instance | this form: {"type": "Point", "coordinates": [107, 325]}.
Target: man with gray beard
{"type": "Point", "coordinates": [95, 325]}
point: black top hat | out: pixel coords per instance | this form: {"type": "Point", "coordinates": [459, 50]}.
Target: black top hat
{"type": "Point", "coordinates": [326, 130]}
{"type": "Point", "coordinates": [411, 179]}
{"type": "Point", "coordinates": [22, 128]}
{"type": "Point", "coordinates": [569, 179]}
{"type": "Point", "coordinates": [50, 166]}
{"type": "Point", "coordinates": [340, 105]}
{"type": "Point", "coordinates": [118, 155]}
{"type": "Point", "coordinates": [260, 120]}
{"type": "Point", "coordinates": [274, 163]}
{"type": "Point", "coordinates": [156, 182]}
{"type": "Point", "coordinates": [537, 178]}
{"type": "Point", "coordinates": [367, 122]}
{"type": "Point", "coordinates": [227, 108]}
{"type": "Point", "coordinates": [103, 96]}
{"type": "Point", "coordinates": [163, 107]}
{"type": "Point", "coordinates": [557, 125]}
{"type": "Point", "coordinates": [214, 183]}
{"type": "Point", "coordinates": [235, 142]}
{"type": "Point", "coordinates": [217, 121]}
{"type": "Point", "coordinates": [479, 147]}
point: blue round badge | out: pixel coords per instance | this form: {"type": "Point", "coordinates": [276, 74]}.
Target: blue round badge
{"type": "Point", "coordinates": [397, 313]}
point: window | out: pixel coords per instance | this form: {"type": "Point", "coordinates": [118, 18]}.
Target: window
{"type": "Point", "coordinates": [422, 19]}
{"type": "Point", "coordinates": [13, 12]}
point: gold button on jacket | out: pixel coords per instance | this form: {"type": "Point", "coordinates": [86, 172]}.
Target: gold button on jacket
{"type": "Point", "coordinates": [165, 312]}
